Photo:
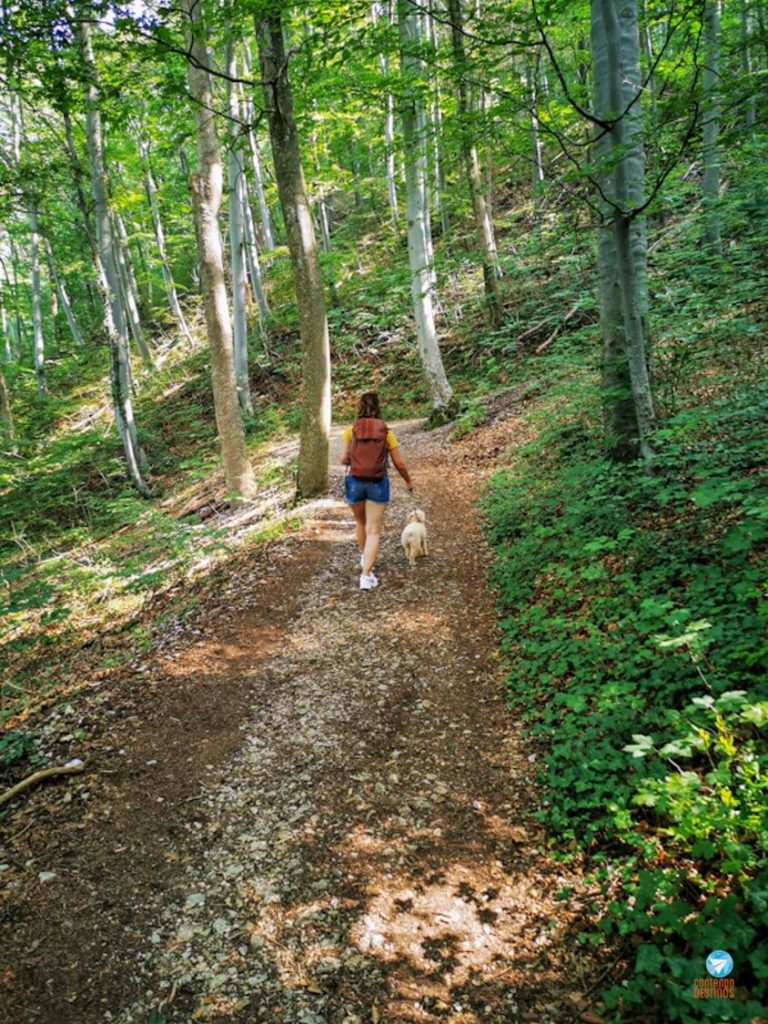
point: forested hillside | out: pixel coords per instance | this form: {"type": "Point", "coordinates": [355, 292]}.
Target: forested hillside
{"type": "Point", "coordinates": [540, 229]}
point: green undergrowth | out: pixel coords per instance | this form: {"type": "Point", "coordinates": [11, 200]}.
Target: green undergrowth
{"type": "Point", "coordinates": [635, 632]}
{"type": "Point", "coordinates": [81, 551]}
{"type": "Point", "coordinates": [634, 617]}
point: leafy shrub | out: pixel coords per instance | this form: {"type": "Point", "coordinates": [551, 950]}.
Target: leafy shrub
{"type": "Point", "coordinates": [594, 563]}
{"type": "Point", "coordinates": [15, 746]}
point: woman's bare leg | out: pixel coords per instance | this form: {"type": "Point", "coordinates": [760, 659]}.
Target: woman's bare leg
{"type": "Point", "coordinates": [358, 511]}
{"type": "Point", "coordinates": [374, 517]}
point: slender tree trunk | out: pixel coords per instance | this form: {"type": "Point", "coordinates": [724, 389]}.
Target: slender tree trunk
{"type": "Point", "coordinates": [417, 210]}
{"type": "Point", "coordinates": [5, 321]}
{"type": "Point", "coordinates": [435, 121]}
{"type": "Point", "coordinates": [6, 416]}
{"type": "Point", "coordinates": [313, 324]}
{"type": "Point", "coordinates": [206, 189]}
{"type": "Point", "coordinates": [18, 325]}
{"type": "Point", "coordinates": [389, 142]}
{"type": "Point", "coordinates": [483, 225]}
{"type": "Point", "coordinates": [357, 174]}
{"type": "Point", "coordinates": [385, 10]}
{"type": "Point", "coordinates": [251, 236]}
{"type": "Point", "coordinates": [236, 253]}
{"type": "Point", "coordinates": [258, 177]}
{"type": "Point", "coordinates": [123, 245]}
{"type": "Point", "coordinates": [622, 253]}
{"type": "Point", "coordinates": [711, 125]}
{"type": "Point", "coordinates": [78, 177]}
{"type": "Point", "coordinates": [128, 288]}
{"type": "Point", "coordinates": [321, 205]}
{"type": "Point", "coordinates": [252, 254]}
{"type": "Point", "coordinates": [538, 149]}
{"type": "Point", "coordinates": [114, 318]}
{"type": "Point", "coordinates": [37, 305]}
{"type": "Point", "coordinates": [61, 290]}
{"type": "Point", "coordinates": [265, 216]}
{"type": "Point", "coordinates": [646, 41]}
{"type": "Point", "coordinates": [157, 223]}
{"type": "Point", "coordinates": [750, 105]}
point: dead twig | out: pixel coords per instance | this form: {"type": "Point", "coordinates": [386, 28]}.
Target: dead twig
{"type": "Point", "coordinates": [70, 768]}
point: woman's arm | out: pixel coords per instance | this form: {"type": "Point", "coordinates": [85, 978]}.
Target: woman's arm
{"type": "Point", "coordinates": [399, 463]}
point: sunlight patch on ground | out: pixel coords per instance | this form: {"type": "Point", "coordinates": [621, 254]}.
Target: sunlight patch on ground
{"type": "Point", "coordinates": [469, 921]}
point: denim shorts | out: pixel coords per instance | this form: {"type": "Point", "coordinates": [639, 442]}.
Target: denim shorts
{"type": "Point", "coordinates": [356, 490]}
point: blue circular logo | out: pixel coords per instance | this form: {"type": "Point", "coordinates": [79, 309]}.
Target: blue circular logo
{"type": "Point", "coordinates": [719, 963]}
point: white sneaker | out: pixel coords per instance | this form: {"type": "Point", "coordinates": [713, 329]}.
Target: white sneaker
{"type": "Point", "coordinates": [368, 582]}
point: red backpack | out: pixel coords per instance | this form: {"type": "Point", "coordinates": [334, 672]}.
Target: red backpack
{"type": "Point", "coordinates": [368, 449]}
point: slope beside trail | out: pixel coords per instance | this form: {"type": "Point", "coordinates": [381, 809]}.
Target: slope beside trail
{"type": "Point", "coordinates": [315, 809]}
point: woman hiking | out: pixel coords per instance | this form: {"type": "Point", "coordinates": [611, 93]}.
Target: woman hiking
{"type": "Point", "coordinates": [366, 447]}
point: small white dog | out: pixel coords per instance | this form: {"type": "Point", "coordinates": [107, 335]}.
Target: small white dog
{"type": "Point", "coordinates": [414, 536]}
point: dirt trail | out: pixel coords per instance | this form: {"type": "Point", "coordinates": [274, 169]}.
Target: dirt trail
{"type": "Point", "coordinates": [318, 810]}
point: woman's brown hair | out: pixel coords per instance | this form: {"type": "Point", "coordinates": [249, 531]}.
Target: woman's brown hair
{"type": "Point", "coordinates": [368, 406]}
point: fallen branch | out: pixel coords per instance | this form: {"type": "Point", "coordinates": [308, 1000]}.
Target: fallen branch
{"type": "Point", "coordinates": [532, 330]}
{"type": "Point", "coordinates": [548, 341]}
{"type": "Point", "coordinates": [543, 323]}
{"type": "Point", "coordinates": [70, 768]}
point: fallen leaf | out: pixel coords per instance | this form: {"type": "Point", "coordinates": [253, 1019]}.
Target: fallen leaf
{"type": "Point", "coordinates": [311, 986]}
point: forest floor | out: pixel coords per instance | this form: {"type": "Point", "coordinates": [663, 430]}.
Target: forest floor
{"type": "Point", "coordinates": [307, 803]}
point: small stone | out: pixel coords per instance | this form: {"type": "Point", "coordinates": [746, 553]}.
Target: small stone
{"type": "Point", "coordinates": [46, 876]}
{"type": "Point", "coordinates": [195, 899]}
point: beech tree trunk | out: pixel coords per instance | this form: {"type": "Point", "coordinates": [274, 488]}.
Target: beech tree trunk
{"type": "Point", "coordinates": [313, 324]}
{"type": "Point", "coordinates": [128, 288]}
{"type": "Point", "coordinates": [154, 208]}
{"type": "Point", "coordinates": [252, 253]}
{"type": "Point", "coordinates": [321, 205]}
{"type": "Point", "coordinates": [435, 122]}
{"type": "Point", "coordinates": [483, 225]}
{"type": "Point", "coordinates": [5, 321]}
{"type": "Point", "coordinates": [537, 162]}
{"type": "Point", "coordinates": [61, 291]}
{"type": "Point", "coordinates": [6, 416]}
{"type": "Point", "coordinates": [417, 210]}
{"type": "Point", "coordinates": [710, 183]}
{"type": "Point", "coordinates": [236, 247]}
{"type": "Point", "coordinates": [750, 104]}
{"type": "Point", "coordinates": [114, 318]}
{"type": "Point", "coordinates": [264, 215]}
{"type": "Point", "coordinates": [622, 251]}
{"type": "Point", "coordinates": [206, 191]}
{"type": "Point", "coordinates": [37, 305]}
{"type": "Point", "coordinates": [385, 11]}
